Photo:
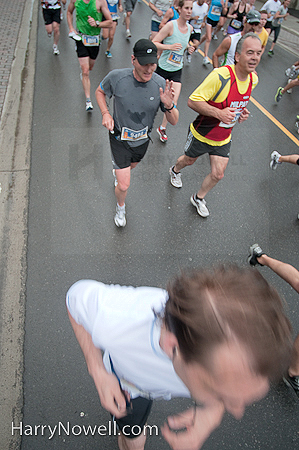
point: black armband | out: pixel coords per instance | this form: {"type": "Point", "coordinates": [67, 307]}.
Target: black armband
{"type": "Point", "coordinates": [167, 109]}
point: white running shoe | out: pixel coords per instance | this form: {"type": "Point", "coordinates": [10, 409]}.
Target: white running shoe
{"type": "Point", "coordinates": [206, 61]}
{"type": "Point", "coordinates": [290, 72]}
{"type": "Point", "coordinates": [188, 58]}
{"type": "Point", "coordinates": [175, 178]}
{"type": "Point", "coordinates": [200, 205]}
{"type": "Point", "coordinates": [274, 160]}
{"type": "Point", "coordinates": [75, 36]}
{"type": "Point", "coordinates": [55, 50]}
{"type": "Point", "coordinates": [128, 34]}
{"type": "Point", "coordinates": [124, 18]}
{"type": "Point", "coordinates": [120, 216]}
{"type": "Point", "coordinates": [88, 106]}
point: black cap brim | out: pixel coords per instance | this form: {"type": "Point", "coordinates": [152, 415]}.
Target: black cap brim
{"type": "Point", "coordinates": [147, 59]}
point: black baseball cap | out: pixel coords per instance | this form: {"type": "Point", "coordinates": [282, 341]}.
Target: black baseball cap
{"type": "Point", "coordinates": [146, 52]}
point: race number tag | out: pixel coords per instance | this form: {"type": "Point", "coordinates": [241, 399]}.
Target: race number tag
{"type": "Point", "coordinates": [236, 24]}
{"type": "Point", "coordinates": [175, 59]}
{"type": "Point", "coordinates": [131, 135]}
{"type": "Point", "coordinates": [115, 16]}
{"type": "Point", "coordinates": [216, 10]}
{"type": "Point", "coordinates": [90, 41]}
{"type": "Point", "coordinates": [233, 122]}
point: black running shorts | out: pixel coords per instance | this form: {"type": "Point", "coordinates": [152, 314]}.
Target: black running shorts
{"type": "Point", "coordinates": [195, 148]}
{"type": "Point", "coordinates": [171, 76]}
{"type": "Point", "coordinates": [132, 425]}
{"type": "Point", "coordinates": [123, 155]}
{"type": "Point", "coordinates": [51, 15]}
{"type": "Point", "coordinates": [83, 51]}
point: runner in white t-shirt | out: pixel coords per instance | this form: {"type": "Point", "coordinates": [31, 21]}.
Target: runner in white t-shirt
{"type": "Point", "coordinates": [198, 21]}
{"type": "Point", "coordinates": [217, 336]}
{"type": "Point", "coordinates": [52, 17]}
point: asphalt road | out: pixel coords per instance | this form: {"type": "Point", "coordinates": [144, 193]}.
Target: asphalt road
{"type": "Point", "coordinates": [72, 235]}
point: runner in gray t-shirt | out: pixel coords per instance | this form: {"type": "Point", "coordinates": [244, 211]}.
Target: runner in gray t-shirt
{"type": "Point", "coordinates": [137, 95]}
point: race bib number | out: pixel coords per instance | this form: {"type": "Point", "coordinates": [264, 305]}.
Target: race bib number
{"type": "Point", "coordinates": [199, 22]}
{"type": "Point", "coordinates": [175, 59]}
{"type": "Point", "coordinates": [90, 41]}
{"type": "Point", "coordinates": [233, 122]}
{"type": "Point", "coordinates": [236, 24]}
{"type": "Point", "coordinates": [216, 10]}
{"type": "Point", "coordinates": [115, 16]}
{"type": "Point", "coordinates": [131, 135]}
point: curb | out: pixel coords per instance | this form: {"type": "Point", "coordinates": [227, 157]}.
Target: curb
{"type": "Point", "coordinates": [15, 147]}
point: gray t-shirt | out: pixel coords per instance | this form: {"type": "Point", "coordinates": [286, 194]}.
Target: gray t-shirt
{"type": "Point", "coordinates": [135, 104]}
{"type": "Point", "coordinates": [282, 11]}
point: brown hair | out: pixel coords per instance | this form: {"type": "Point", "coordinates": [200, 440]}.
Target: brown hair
{"type": "Point", "coordinates": [208, 308]}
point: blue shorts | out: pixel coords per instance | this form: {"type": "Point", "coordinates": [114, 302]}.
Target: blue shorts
{"type": "Point", "coordinates": [155, 26]}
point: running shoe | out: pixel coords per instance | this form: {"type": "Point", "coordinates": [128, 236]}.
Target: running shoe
{"type": "Point", "coordinates": [270, 53]}
{"type": "Point", "coordinates": [120, 216]}
{"type": "Point", "coordinates": [75, 36]}
{"type": "Point", "coordinates": [274, 160]}
{"type": "Point", "coordinates": [278, 94]}
{"type": "Point", "coordinates": [188, 57]}
{"type": "Point", "coordinates": [162, 134]}
{"type": "Point", "coordinates": [292, 382]}
{"type": "Point", "coordinates": [124, 18]}
{"type": "Point", "coordinates": [61, 15]}
{"type": "Point", "coordinates": [55, 50]}
{"type": "Point", "coordinates": [215, 37]}
{"type": "Point", "coordinates": [175, 178]}
{"type": "Point", "coordinates": [128, 34]}
{"type": "Point", "coordinates": [206, 61]}
{"type": "Point", "coordinates": [200, 205]}
{"type": "Point", "coordinates": [289, 91]}
{"type": "Point", "coordinates": [108, 54]}
{"type": "Point", "coordinates": [255, 252]}
{"type": "Point", "coordinates": [290, 72]}
{"type": "Point", "coordinates": [88, 106]}
{"type": "Point", "coordinates": [49, 35]}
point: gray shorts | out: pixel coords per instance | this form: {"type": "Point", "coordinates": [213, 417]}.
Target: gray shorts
{"type": "Point", "coordinates": [195, 148]}
{"type": "Point", "coordinates": [130, 5]}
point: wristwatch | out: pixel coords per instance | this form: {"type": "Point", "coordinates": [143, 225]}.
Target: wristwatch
{"type": "Point", "coordinates": [97, 23]}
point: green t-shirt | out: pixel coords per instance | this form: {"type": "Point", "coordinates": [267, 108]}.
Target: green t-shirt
{"type": "Point", "coordinates": [83, 10]}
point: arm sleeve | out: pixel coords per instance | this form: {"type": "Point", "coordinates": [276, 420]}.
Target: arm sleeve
{"type": "Point", "coordinates": [109, 82]}
{"type": "Point", "coordinates": [83, 301]}
{"type": "Point", "coordinates": [255, 80]}
{"type": "Point", "coordinates": [209, 87]}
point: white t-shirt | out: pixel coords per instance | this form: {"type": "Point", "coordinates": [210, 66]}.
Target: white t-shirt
{"type": "Point", "coordinates": [201, 12]}
{"type": "Point", "coordinates": [271, 6]}
{"type": "Point", "coordinates": [51, 4]}
{"type": "Point", "coordinates": [121, 322]}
